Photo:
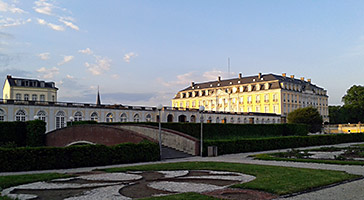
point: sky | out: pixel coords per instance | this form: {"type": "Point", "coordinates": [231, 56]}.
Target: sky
{"type": "Point", "coordinates": [141, 52]}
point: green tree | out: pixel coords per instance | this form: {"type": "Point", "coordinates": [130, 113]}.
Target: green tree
{"type": "Point", "coordinates": [309, 116]}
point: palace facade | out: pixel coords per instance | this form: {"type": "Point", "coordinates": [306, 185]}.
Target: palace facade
{"type": "Point", "coordinates": [268, 93]}
{"type": "Point", "coordinates": [56, 114]}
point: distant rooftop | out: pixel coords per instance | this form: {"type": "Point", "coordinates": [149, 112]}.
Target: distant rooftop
{"type": "Point", "coordinates": [22, 82]}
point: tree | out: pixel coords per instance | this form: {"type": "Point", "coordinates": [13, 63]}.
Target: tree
{"type": "Point", "coordinates": [309, 116]}
{"type": "Point", "coordinates": [354, 104]}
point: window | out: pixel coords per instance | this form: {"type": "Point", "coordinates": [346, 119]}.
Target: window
{"type": "Point", "coordinates": [266, 98]}
{"type": "Point", "coordinates": [109, 117]}
{"type": "Point", "coordinates": [42, 97]}
{"type": "Point", "coordinates": [249, 99]}
{"type": "Point", "coordinates": [249, 109]}
{"type": "Point", "coordinates": [2, 115]}
{"type": "Point", "coordinates": [26, 97]}
{"type": "Point", "coordinates": [136, 118]}
{"type": "Point", "coordinates": [239, 120]}
{"type": "Point", "coordinates": [94, 116]}
{"type": "Point", "coordinates": [284, 97]}
{"type": "Point", "coordinates": [148, 118]}
{"type": "Point", "coordinates": [78, 116]}
{"type": "Point", "coordinates": [53, 99]}
{"type": "Point", "coordinates": [275, 109]}
{"type": "Point", "coordinates": [193, 103]}
{"type": "Point", "coordinates": [266, 109]}
{"type": "Point", "coordinates": [257, 109]}
{"type": "Point", "coordinates": [181, 104]}
{"type": "Point", "coordinates": [34, 97]}
{"type": "Point", "coordinates": [42, 115]}
{"type": "Point", "coordinates": [123, 118]}
{"type": "Point", "coordinates": [217, 120]}
{"type": "Point", "coordinates": [187, 104]}
{"type": "Point", "coordinates": [18, 97]}
{"type": "Point", "coordinates": [241, 100]}
{"type": "Point", "coordinates": [60, 120]}
{"type": "Point", "coordinates": [20, 116]}
{"type": "Point", "coordinates": [232, 120]}
{"type": "Point", "coordinates": [275, 97]}
{"type": "Point", "coordinates": [257, 99]}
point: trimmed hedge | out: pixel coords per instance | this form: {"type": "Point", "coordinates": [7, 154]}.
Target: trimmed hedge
{"type": "Point", "coordinates": [263, 144]}
{"type": "Point", "coordinates": [30, 133]}
{"type": "Point", "coordinates": [230, 131]}
{"type": "Point", "coordinates": [81, 122]}
{"type": "Point", "coordinates": [42, 158]}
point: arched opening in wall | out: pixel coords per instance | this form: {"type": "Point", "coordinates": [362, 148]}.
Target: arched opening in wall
{"type": "Point", "coordinates": [78, 116]}
{"type": "Point", "coordinates": [182, 118]}
{"type": "Point", "coordinates": [158, 118]}
{"type": "Point", "coordinates": [42, 115]}
{"type": "Point", "coordinates": [20, 116]}
{"type": "Point", "coordinates": [239, 120]}
{"type": "Point", "coordinates": [209, 120]}
{"type": "Point", "coordinates": [60, 120]}
{"type": "Point", "coordinates": [94, 116]}
{"type": "Point", "coordinates": [263, 121]}
{"type": "Point", "coordinates": [193, 119]}
{"type": "Point", "coordinates": [273, 121]}
{"type": "Point", "coordinates": [268, 121]}
{"type": "Point", "coordinates": [2, 115]}
{"type": "Point", "coordinates": [251, 120]}
{"type": "Point", "coordinates": [257, 121]}
{"type": "Point", "coordinates": [223, 120]}
{"type": "Point", "coordinates": [109, 117]}
{"type": "Point", "coordinates": [217, 120]}
{"type": "Point", "coordinates": [136, 118]}
{"type": "Point", "coordinates": [170, 118]}
{"type": "Point", "coordinates": [123, 118]}
{"type": "Point", "coordinates": [148, 118]}
{"type": "Point", "coordinates": [245, 121]}
{"type": "Point", "coordinates": [232, 120]}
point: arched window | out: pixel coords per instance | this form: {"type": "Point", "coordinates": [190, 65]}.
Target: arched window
{"type": "Point", "coordinates": [193, 119]}
{"type": "Point", "coordinates": [123, 118]}
{"type": "Point", "coordinates": [78, 116]}
{"type": "Point", "coordinates": [2, 115]}
{"type": "Point", "coordinates": [94, 116]}
{"type": "Point", "coordinates": [209, 120]}
{"type": "Point", "coordinates": [232, 120]}
{"type": "Point", "coordinates": [136, 118]}
{"type": "Point", "coordinates": [20, 116]}
{"type": "Point", "coordinates": [109, 117]}
{"type": "Point", "coordinates": [217, 120]}
{"type": "Point", "coordinates": [60, 120]}
{"type": "Point", "coordinates": [170, 118]}
{"type": "Point", "coordinates": [42, 115]}
{"type": "Point", "coordinates": [239, 120]}
{"type": "Point", "coordinates": [273, 121]}
{"type": "Point", "coordinates": [148, 118]}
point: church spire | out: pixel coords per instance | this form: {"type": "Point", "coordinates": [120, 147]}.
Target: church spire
{"type": "Point", "coordinates": [98, 100]}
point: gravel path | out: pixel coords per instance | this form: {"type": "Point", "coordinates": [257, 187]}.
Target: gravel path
{"type": "Point", "coordinates": [352, 190]}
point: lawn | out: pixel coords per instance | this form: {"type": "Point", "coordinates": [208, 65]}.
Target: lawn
{"type": "Point", "coordinates": [273, 179]}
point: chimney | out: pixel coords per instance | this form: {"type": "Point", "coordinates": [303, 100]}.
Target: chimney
{"type": "Point", "coordinates": [240, 76]}
{"type": "Point", "coordinates": [8, 76]}
{"type": "Point", "coordinates": [309, 80]}
{"type": "Point", "coordinates": [259, 75]}
{"type": "Point", "coordinates": [302, 78]}
{"type": "Point", "coordinates": [192, 84]}
{"type": "Point", "coordinates": [292, 76]}
{"type": "Point", "coordinates": [219, 78]}
{"type": "Point", "coordinates": [284, 74]}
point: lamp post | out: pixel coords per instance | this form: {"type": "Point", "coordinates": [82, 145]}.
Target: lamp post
{"type": "Point", "coordinates": [71, 119]}
{"type": "Point", "coordinates": [201, 109]}
{"type": "Point", "coordinates": [36, 117]}
{"type": "Point", "coordinates": [159, 108]}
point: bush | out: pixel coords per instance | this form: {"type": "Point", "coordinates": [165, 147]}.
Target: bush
{"type": "Point", "coordinates": [42, 158]}
{"type": "Point", "coordinates": [35, 131]}
{"type": "Point", "coordinates": [81, 122]}
{"type": "Point", "coordinates": [263, 144]}
{"type": "Point", "coordinates": [309, 116]}
{"type": "Point", "coordinates": [231, 131]}
{"type": "Point", "coordinates": [30, 133]}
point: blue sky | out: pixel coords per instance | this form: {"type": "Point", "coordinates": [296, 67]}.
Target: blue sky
{"type": "Point", "coordinates": [143, 52]}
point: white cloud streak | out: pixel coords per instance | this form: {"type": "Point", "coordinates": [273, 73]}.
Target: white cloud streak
{"type": "Point", "coordinates": [101, 65]}
{"type": "Point", "coordinates": [48, 73]}
{"type": "Point", "coordinates": [65, 60]}
{"type": "Point", "coordinates": [43, 7]}
{"type": "Point", "coordinates": [50, 25]}
{"type": "Point", "coordinates": [44, 56]}
{"type": "Point", "coordinates": [87, 51]}
{"type": "Point", "coordinates": [128, 56]}
{"type": "Point", "coordinates": [69, 24]}
{"type": "Point", "coordinates": [8, 22]}
{"type": "Point", "coordinates": [4, 7]}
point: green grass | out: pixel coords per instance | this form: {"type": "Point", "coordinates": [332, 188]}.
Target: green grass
{"type": "Point", "coordinates": [183, 196]}
{"type": "Point", "coordinates": [5, 198]}
{"type": "Point", "coordinates": [10, 181]}
{"type": "Point", "coordinates": [273, 179]}
{"type": "Point", "coordinates": [335, 162]}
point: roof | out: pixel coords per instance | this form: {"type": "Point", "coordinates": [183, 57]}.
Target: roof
{"type": "Point", "coordinates": [34, 83]}
{"type": "Point", "coordinates": [274, 80]}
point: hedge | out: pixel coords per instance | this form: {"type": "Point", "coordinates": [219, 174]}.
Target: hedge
{"type": "Point", "coordinates": [19, 134]}
{"type": "Point", "coordinates": [230, 131]}
{"type": "Point", "coordinates": [42, 158]}
{"type": "Point", "coordinates": [263, 144]}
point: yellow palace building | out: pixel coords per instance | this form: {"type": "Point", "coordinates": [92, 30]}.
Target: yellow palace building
{"type": "Point", "coordinates": [268, 93]}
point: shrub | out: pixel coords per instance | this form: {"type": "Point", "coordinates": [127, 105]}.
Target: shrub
{"type": "Point", "coordinates": [263, 144]}
{"type": "Point", "coordinates": [30, 133]}
{"type": "Point", "coordinates": [42, 158]}
{"type": "Point", "coordinates": [35, 133]}
{"type": "Point", "coordinates": [81, 122]}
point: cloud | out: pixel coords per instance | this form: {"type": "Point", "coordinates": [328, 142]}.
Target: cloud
{"type": "Point", "coordinates": [65, 60]}
{"type": "Point", "coordinates": [48, 73]}
{"type": "Point", "coordinates": [87, 51]}
{"type": "Point", "coordinates": [44, 56]}
{"type": "Point", "coordinates": [4, 7]}
{"type": "Point", "coordinates": [50, 25]}
{"type": "Point", "coordinates": [115, 76]}
{"type": "Point", "coordinates": [69, 76]}
{"type": "Point", "coordinates": [69, 24]}
{"type": "Point", "coordinates": [8, 22]}
{"type": "Point", "coordinates": [128, 56]}
{"type": "Point", "coordinates": [101, 65]}
{"type": "Point", "coordinates": [212, 75]}
{"type": "Point", "coordinates": [43, 7]}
